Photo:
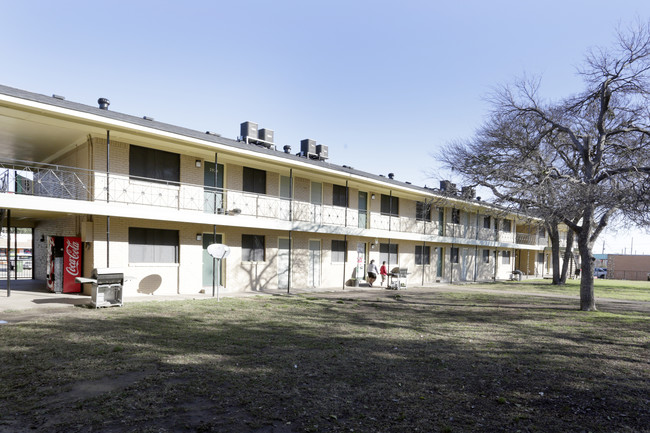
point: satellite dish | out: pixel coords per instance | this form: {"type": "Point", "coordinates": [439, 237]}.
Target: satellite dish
{"type": "Point", "coordinates": [219, 251]}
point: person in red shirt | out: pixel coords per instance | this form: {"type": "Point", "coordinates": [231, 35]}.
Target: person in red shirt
{"type": "Point", "coordinates": [383, 271]}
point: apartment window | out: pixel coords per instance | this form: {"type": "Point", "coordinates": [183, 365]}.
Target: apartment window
{"type": "Point", "coordinates": [422, 255]}
{"type": "Point", "coordinates": [254, 180]}
{"type": "Point", "coordinates": [542, 232]}
{"type": "Point", "coordinates": [339, 251]}
{"type": "Point", "coordinates": [389, 205]}
{"type": "Point", "coordinates": [454, 255]}
{"type": "Point", "coordinates": [339, 196]}
{"type": "Point", "coordinates": [153, 245]}
{"type": "Point", "coordinates": [252, 248]}
{"type": "Point", "coordinates": [154, 164]}
{"type": "Point", "coordinates": [486, 256]}
{"type": "Point", "coordinates": [486, 222]}
{"type": "Point", "coordinates": [388, 254]}
{"type": "Point", "coordinates": [507, 226]}
{"type": "Point", "coordinates": [455, 216]}
{"type": "Point", "coordinates": [540, 257]}
{"type": "Point", "coordinates": [422, 211]}
{"type": "Point", "coordinates": [505, 257]}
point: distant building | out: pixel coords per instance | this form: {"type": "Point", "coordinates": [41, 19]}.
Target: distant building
{"type": "Point", "coordinates": [601, 260]}
{"type": "Point", "coordinates": [628, 267]}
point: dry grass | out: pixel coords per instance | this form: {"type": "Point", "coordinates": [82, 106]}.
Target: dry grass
{"type": "Point", "coordinates": [394, 362]}
{"type": "Point", "coordinates": [604, 289]}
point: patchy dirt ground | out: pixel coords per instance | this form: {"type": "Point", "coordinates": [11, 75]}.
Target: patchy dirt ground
{"type": "Point", "coordinates": [458, 361]}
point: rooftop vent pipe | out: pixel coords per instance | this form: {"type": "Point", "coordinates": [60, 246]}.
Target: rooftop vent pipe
{"type": "Point", "coordinates": [391, 175]}
{"type": "Point", "coordinates": [287, 148]}
{"type": "Point", "coordinates": [103, 103]}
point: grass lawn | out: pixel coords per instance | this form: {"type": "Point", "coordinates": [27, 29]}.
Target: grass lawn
{"type": "Point", "coordinates": [390, 362]}
{"type": "Point", "coordinates": [606, 289]}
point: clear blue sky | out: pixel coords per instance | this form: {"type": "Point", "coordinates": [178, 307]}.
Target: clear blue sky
{"type": "Point", "coordinates": [383, 83]}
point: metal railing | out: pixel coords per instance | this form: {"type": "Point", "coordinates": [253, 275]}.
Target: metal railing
{"type": "Point", "coordinates": [19, 269]}
{"type": "Point", "coordinates": [56, 181]}
{"type": "Point", "coordinates": [527, 239]}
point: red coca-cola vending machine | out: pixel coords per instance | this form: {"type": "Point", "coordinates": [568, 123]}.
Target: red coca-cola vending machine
{"type": "Point", "coordinates": [63, 264]}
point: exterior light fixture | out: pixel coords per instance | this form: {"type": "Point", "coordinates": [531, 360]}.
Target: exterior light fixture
{"type": "Point", "coordinates": [198, 163]}
{"type": "Point", "coordinates": [199, 236]}
{"type": "Point", "coordinates": [372, 196]}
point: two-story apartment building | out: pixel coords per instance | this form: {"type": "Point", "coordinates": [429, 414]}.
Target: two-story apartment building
{"type": "Point", "coordinates": [149, 197]}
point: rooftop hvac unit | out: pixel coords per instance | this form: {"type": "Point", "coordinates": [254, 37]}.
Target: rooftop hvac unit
{"type": "Point", "coordinates": [248, 130]}
{"type": "Point", "coordinates": [468, 192]}
{"type": "Point", "coordinates": [266, 135]}
{"type": "Point", "coordinates": [308, 147]}
{"type": "Point", "coordinates": [322, 151]}
{"type": "Point", "coordinates": [447, 186]}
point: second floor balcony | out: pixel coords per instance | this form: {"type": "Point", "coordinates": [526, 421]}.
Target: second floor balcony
{"type": "Point", "coordinates": [54, 181]}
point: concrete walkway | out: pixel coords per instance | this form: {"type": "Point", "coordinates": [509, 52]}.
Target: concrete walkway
{"type": "Point", "coordinates": [34, 295]}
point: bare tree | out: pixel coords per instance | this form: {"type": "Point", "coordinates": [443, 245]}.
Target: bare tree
{"type": "Point", "coordinates": [512, 159]}
{"type": "Point", "coordinates": [587, 157]}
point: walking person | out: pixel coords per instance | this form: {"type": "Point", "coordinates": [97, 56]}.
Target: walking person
{"type": "Point", "coordinates": [383, 271]}
{"type": "Point", "coordinates": [372, 272]}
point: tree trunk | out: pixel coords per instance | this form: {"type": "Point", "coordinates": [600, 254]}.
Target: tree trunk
{"type": "Point", "coordinates": [587, 298]}
{"type": "Point", "coordinates": [568, 253]}
{"type": "Point", "coordinates": [555, 251]}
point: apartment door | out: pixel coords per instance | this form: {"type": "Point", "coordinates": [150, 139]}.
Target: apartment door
{"type": "Point", "coordinates": [316, 199]}
{"type": "Point", "coordinates": [360, 272]}
{"type": "Point", "coordinates": [363, 210]}
{"type": "Point", "coordinates": [213, 194]}
{"type": "Point", "coordinates": [440, 251]}
{"type": "Point", "coordinates": [283, 263]}
{"type": "Point", "coordinates": [208, 239]}
{"type": "Point", "coordinates": [465, 270]}
{"type": "Point", "coordinates": [313, 278]}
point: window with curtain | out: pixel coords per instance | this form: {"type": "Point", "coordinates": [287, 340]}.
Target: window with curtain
{"type": "Point", "coordinates": [339, 196]}
{"type": "Point", "coordinates": [486, 256]}
{"type": "Point", "coordinates": [154, 164]}
{"type": "Point", "coordinates": [153, 245]}
{"type": "Point", "coordinates": [388, 254]}
{"type": "Point", "coordinates": [252, 248]}
{"type": "Point", "coordinates": [505, 257]}
{"type": "Point", "coordinates": [389, 205]}
{"type": "Point", "coordinates": [486, 222]}
{"type": "Point", "coordinates": [455, 216]}
{"type": "Point", "coordinates": [422, 211]}
{"type": "Point", "coordinates": [254, 180]}
{"type": "Point", "coordinates": [422, 255]}
{"type": "Point", "coordinates": [454, 255]}
{"type": "Point", "coordinates": [339, 251]}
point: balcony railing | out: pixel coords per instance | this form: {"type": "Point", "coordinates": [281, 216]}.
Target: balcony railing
{"type": "Point", "coordinates": [45, 180]}
{"type": "Point", "coordinates": [527, 239]}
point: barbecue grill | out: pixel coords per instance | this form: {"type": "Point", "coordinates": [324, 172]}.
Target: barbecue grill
{"type": "Point", "coordinates": [107, 285]}
{"type": "Point", "coordinates": [397, 278]}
